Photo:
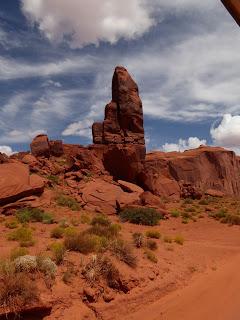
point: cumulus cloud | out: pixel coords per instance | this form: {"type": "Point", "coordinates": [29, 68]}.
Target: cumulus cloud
{"type": "Point", "coordinates": [7, 150]}
{"type": "Point", "coordinates": [227, 132]}
{"type": "Point", "coordinates": [84, 22]}
{"type": "Point", "coordinates": [80, 128]}
{"type": "Point", "coordinates": [182, 145]}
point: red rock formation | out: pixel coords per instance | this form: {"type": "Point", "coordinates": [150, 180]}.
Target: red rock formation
{"type": "Point", "coordinates": [17, 183]}
{"type": "Point", "coordinates": [203, 168]}
{"type": "Point", "coordinates": [123, 122]}
{"type": "Point", "coordinates": [121, 136]}
{"type": "Point", "coordinates": [42, 147]}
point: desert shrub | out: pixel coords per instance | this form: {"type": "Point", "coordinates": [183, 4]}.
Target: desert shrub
{"type": "Point", "coordinates": [101, 220]}
{"type": "Point", "coordinates": [53, 178]}
{"type": "Point", "coordinates": [185, 220]}
{"type": "Point", "coordinates": [167, 239]}
{"type": "Point", "coordinates": [64, 223]}
{"type": "Point", "coordinates": [34, 215]}
{"type": "Point", "coordinates": [46, 266]}
{"type": "Point", "coordinates": [66, 201]}
{"type": "Point", "coordinates": [153, 234]}
{"type": "Point", "coordinates": [231, 219]}
{"type": "Point", "coordinates": [190, 209]}
{"type": "Point", "coordinates": [18, 252]}
{"type": "Point", "coordinates": [124, 252]}
{"type": "Point", "coordinates": [58, 249]}
{"type": "Point", "coordinates": [186, 215]}
{"type": "Point", "coordinates": [16, 290]}
{"type": "Point", "coordinates": [83, 242]}
{"type": "Point", "coordinates": [26, 263]}
{"type": "Point", "coordinates": [151, 256]}
{"type": "Point", "coordinates": [220, 214]}
{"type": "Point", "coordinates": [102, 267]}
{"type": "Point", "coordinates": [175, 213]}
{"type": "Point", "coordinates": [143, 216]}
{"type": "Point", "coordinates": [85, 219]}
{"type": "Point", "coordinates": [204, 202]}
{"type": "Point", "coordinates": [188, 201]}
{"type": "Point", "coordinates": [179, 240]}
{"type": "Point", "coordinates": [110, 231]}
{"type": "Point", "coordinates": [23, 235]}
{"type": "Point", "coordinates": [57, 232]}
{"type": "Point", "coordinates": [151, 244]}
{"type": "Point", "coordinates": [70, 231]}
{"type": "Point", "coordinates": [138, 239]}
{"type": "Point", "coordinates": [12, 224]}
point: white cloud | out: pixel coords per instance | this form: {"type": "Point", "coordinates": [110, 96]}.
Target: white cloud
{"type": "Point", "coordinates": [80, 128]}
{"type": "Point", "coordinates": [182, 145]}
{"type": "Point", "coordinates": [20, 136]}
{"type": "Point", "coordinates": [88, 21]}
{"type": "Point", "coordinates": [7, 150]}
{"type": "Point", "coordinates": [227, 132]}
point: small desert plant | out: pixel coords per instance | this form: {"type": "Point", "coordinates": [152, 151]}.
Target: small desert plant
{"type": "Point", "coordinates": [54, 179]}
{"type": "Point", "coordinates": [70, 231]}
{"type": "Point", "coordinates": [203, 202]}
{"type": "Point", "coordinates": [66, 201]}
{"type": "Point", "coordinates": [57, 232]}
{"type": "Point", "coordinates": [23, 235]}
{"type": "Point", "coordinates": [85, 218]}
{"type": "Point", "coordinates": [12, 224]}
{"type": "Point", "coordinates": [153, 234]}
{"type": "Point", "coordinates": [151, 244]}
{"type": "Point", "coordinates": [16, 290]}
{"type": "Point", "coordinates": [138, 239]}
{"type": "Point", "coordinates": [167, 239]}
{"type": "Point", "coordinates": [26, 264]}
{"type": "Point", "coordinates": [46, 266]}
{"type": "Point", "coordinates": [123, 252]}
{"type": "Point", "coordinates": [143, 216]}
{"type": "Point", "coordinates": [151, 256]}
{"type": "Point", "coordinates": [64, 223]}
{"type": "Point", "coordinates": [188, 201]}
{"type": "Point", "coordinates": [101, 220]}
{"type": "Point", "coordinates": [34, 215]}
{"type": "Point", "coordinates": [190, 209]}
{"type": "Point", "coordinates": [83, 242]}
{"type": "Point", "coordinates": [18, 252]}
{"type": "Point", "coordinates": [179, 240]}
{"type": "Point", "coordinates": [58, 249]}
{"type": "Point", "coordinates": [175, 213]}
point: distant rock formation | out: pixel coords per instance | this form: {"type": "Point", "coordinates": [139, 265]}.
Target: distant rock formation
{"type": "Point", "coordinates": [42, 147]}
{"type": "Point", "coordinates": [121, 135]}
{"type": "Point", "coordinates": [186, 174]}
{"type": "Point", "coordinates": [123, 123]}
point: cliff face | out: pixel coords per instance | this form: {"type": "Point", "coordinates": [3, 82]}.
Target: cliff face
{"type": "Point", "coordinates": [203, 168]}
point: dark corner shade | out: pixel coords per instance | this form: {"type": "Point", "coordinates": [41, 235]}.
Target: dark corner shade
{"type": "Point", "coordinates": [233, 6]}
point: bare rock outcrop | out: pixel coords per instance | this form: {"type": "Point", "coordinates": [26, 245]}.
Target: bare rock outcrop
{"type": "Point", "coordinates": [167, 174]}
{"type": "Point", "coordinates": [42, 147]}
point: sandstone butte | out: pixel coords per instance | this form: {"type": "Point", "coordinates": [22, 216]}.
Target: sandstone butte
{"type": "Point", "coordinates": [114, 173]}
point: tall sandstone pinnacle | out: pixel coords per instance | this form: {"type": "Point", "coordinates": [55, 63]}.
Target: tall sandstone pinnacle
{"type": "Point", "coordinates": [123, 123]}
{"type": "Point", "coordinates": [121, 134]}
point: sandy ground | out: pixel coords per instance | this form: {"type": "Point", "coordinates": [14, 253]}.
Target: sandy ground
{"type": "Point", "coordinates": [211, 296]}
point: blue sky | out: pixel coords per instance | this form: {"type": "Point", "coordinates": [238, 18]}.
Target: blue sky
{"type": "Point", "coordinates": [57, 58]}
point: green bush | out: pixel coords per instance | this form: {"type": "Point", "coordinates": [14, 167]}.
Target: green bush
{"type": "Point", "coordinates": [143, 216]}
{"type": "Point", "coordinates": [23, 235]}
{"type": "Point", "coordinates": [57, 233]}
{"type": "Point", "coordinates": [124, 253]}
{"type": "Point", "coordinates": [151, 256]}
{"type": "Point", "coordinates": [54, 179]}
{"type": "Point", "coordinates": [138, 239]}
{"type": "Point", "coordinates": [175, 213]}
{"type": "Point", "coordinates": [101, 220]}
{"type": "Point", "coordinates": [85, 218]}
{"type": "Point", "coordinates": [66, 201]}
{"type": "Point", "coordinates": [34, 215]}
{"type": "Point", "coordinates": [18, 252]}
{"type": "Point", "coordinates": [12, 224]}
{"type": "Point", "coordinates": [153, 234]}
{"type": "Point", "coordinates": [151, 244]}
{"type": "Point", "coordinates": [46, 266]}
{"type": "Point", "coordinates": [58, 249]}
{"type": "Point", "coordinates": [188, 201]}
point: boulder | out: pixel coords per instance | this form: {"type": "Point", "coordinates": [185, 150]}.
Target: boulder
{"type": "Point", "coordinates": [214, 193]}
{"type": "Point", "coordinates": [103, 196]}
{"type": "Point", "coordinates": [130, 187]}
{"type": "Point", "coordinates": [30, 160]}
{"type": "Point", "coordinates": [56, 148]}
{"type": "Point", "coordinates": [40, 146]}
{"type": "Point", "coordinates": [16, 183]}
{"type": "Point", "coordinates": [150, 200]}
